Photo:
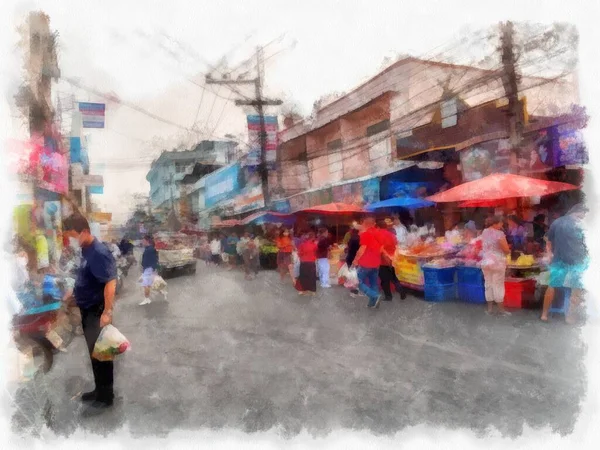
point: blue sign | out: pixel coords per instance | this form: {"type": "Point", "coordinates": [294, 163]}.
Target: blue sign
{"type": "Point", "coordinates": [75, 149]}
{"type": "Point", "coordinates": [281, 206]}
{"type": "Point", "coordinates": [370, 189]}
{"type": "Point", "coordinates": [96, 189]}
{"type": "Point", "coordinates": [222, 185]}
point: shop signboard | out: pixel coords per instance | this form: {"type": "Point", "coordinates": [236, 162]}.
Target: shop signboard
{"type": "Point", "coordinates": [271, 128]}
{"type": "Point", "coordinates": [250, 199]}
{"type": "Point", "coordinates": [96, 189]}
{"type": "Point", "coordinates": [222, 184]}
{"type": "Point", "coordinates": [25, 193]}
{"type": "Point", "coordinates": [54, 168]}
{"type": "Point", "coordinates": [408, 189]}
{"type": "Point", "coordinates": [80, 181]}
{"type": "Point", "coordinates": [370, 189]}
{"type": "Point", "coordinates": [92, 114]}
{"type": "Point", "coordinates": [75, 149]}
{"type": "Point", "coordinates": [569, 146]}
{"type": "Point", "coordinates": [101, 217]}
{"type": "Point", "coordinates": [281, 206]}
{"type": "Point", "coordinates": [484, 159]}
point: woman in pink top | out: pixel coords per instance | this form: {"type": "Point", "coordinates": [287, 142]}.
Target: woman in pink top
{"type": "Point", "coordinates": [493, 264]}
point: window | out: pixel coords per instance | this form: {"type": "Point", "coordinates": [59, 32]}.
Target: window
{"type": "Point", "coordinates": [180, 167]}
{"type": "Point", "coordinates": [378, 127]}
{"type": "Point", "coordinates": [334, 145]}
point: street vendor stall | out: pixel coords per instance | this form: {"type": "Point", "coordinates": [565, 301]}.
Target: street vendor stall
{"type": "Point", "coordinates": [334, 214]}
{"type": "Point", "coordinates": [494, 191]}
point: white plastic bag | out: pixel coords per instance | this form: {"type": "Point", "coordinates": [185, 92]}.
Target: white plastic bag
{"type": "Point", "coordinates": [109, 344]}
{"type": "Point", "coordinates": [352, 279]}
{"type": "Point", "coordinates": [343, 272]}
{"type": "Point", "coordinates": [158, 283]}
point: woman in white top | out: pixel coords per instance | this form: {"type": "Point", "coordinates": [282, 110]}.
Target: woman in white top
{"type": "Point", "coordinates": [493, 264]}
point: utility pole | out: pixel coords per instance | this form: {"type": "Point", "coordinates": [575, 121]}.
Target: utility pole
{"type": "Point", "coordinates": [510, 80]}
{"type": "Point", "coordinates": [259, 102]}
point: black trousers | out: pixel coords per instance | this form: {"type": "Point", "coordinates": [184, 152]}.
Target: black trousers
{"type": "Point", "coordinates": [103, 370]}
{"type": "Point", "coordinates": [387, 275]}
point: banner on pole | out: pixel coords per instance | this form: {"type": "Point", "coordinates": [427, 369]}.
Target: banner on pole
{"type": "Point", "coordinates": [92, 114]}
{"type": "Point", "coordinates": [271, 128]}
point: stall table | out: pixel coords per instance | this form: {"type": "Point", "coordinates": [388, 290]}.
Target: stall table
{"type": "Point", "coordinates": [409, 267]}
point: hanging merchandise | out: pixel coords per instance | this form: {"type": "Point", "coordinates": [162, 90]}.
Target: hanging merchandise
{"type": "Point", "coordinates": [41, 248]}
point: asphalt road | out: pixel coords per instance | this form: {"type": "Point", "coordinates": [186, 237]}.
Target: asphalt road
{"type": "Point", "coordinates": [223, 352]}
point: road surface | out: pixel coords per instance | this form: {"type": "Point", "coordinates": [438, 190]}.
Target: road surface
{"type": "Point", "coordinates": [223, 352]}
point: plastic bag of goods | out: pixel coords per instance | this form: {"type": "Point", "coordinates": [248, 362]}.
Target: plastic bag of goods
{"type": "Point", "coordinates": [109, 344]}
{"type": "Point", "coordinates": [351, 279]}
{"type": "Point", "coordinates": [158, 283]}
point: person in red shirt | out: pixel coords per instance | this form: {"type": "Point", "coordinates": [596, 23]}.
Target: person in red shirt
{"type": "Point", "coordinates": [368, 260]}
{"type": "Point", "coordinates": [307, 253]}
{"type": "Point", "coordinates": [387, 274]}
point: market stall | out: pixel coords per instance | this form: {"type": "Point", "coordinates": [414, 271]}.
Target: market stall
{"type": "Point", "coordinates": [334, 215]}
{"type": "Point", "coordinates": [522, 269]}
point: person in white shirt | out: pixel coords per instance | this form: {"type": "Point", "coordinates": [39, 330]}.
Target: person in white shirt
{"type": "Point", "coordinates": [215, 250]}
{"type": "Point", "coordinates": [401, 231]}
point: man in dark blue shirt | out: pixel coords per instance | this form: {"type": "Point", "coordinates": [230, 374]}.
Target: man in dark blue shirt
{"type": "Point", "coordinates": [566, 241]}
{"type": "Point", "coordinates": [94, 294]}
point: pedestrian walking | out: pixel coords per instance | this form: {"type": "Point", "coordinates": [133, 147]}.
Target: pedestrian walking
{"type": "Point", "coordinates": [149, 267]}
{"type": "Point", "coordinates": [94, 294]}
{"type": "Point", "coordinates": [249, 249]}
{"type": "Point", "coordinates": [231, 250]}
{"type": "Point", "coordinates": [570, 260]}
{"type": "Point", "coordinates": [323, 246]}
{"type": "Point", "coordinates": [307, 253]}
{"type": "Point", "coordinates": [387, 273]}
{"type": "Point", "coordinates": [493, 264]}
{"type": "Point", "coordinates": [368, 260]}
{"type": "Point", "coordinates": [285, 248]}
{"type": "Point", "coordinates": [215, 250]}
{"type": "Point", "coordinates": [352, 250]}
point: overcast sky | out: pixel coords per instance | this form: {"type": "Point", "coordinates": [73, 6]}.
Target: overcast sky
{"type": "Point", "coordinates": [114, 46]}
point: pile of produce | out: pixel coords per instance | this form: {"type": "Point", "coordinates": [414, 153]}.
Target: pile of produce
{"type": "Point", "coordinates": [268, 248]}
{"type": "Point", "coordinates": [521, 261]}
{"type": "Point", "coordinates": [425, 250]}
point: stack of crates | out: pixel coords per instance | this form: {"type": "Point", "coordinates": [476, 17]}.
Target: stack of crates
{"type": "Point", "coordinates": [471, 286]}
{"type": "Point", "coordinates": [518, 292]}
{"type": "Point", "coordinates": [440, 285]}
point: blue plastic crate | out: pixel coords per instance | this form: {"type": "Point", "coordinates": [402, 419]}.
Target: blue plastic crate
{"type": "Point", "coordinates": [469, 275]}
{"type": "Point", "coordinates": [440, 292]}
{"type": "Point", "coordinates": [440, 276]}
{"type": "Point", "coordinates": [471, 293]}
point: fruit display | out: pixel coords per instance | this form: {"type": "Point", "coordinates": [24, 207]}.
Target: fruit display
{"type": "Point", "coordinates": [268, 248]}
{"type": "Point", "coordinates": [426, 250]}
{"type": "Point", "coordinates": [521, 261]}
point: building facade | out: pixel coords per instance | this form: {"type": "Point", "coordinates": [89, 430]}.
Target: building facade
{"type": "Point", "coordinates": [359, 134]}
{"type": "Point", "coordinates": [168, 172]}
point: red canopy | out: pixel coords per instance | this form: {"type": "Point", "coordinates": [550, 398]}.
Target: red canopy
{"type": "Point", "coordinates": [483, 203]}
{"type": "Point", "coordinates": [500, 186]}
{"type": "Point", "coordinates": [333, 208]}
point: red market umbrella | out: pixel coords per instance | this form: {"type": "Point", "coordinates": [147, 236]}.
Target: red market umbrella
{"type": "Point", "coordinates": [500, 186]}
{"type": "Point", "coordinates": [333, 208]}
{"type": "Point", "coordinates": [482, 203]}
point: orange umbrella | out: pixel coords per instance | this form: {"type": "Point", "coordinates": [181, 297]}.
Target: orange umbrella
{"type": "Point", "coordinates": [333, 208]}
{"type": "Point", "coordinates": [500, 186]}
